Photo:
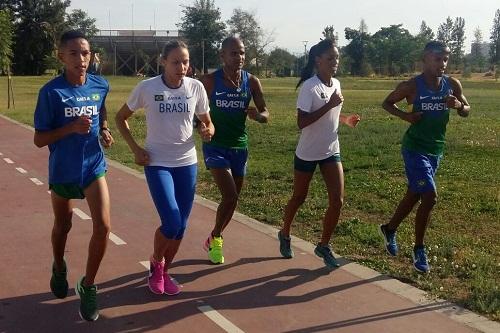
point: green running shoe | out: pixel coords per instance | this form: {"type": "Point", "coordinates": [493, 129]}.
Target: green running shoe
{"type": "Point", "coordinates": [88, 301]}
{"type": "Point", "coordinates": [58, 282]}
{"type": "Point", "coordinates": [326, 253]}
{"type": "Point", "coordinates": [215, 250]}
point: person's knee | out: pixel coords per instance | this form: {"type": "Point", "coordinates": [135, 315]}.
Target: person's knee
{"type": "Point", "coordinates": [298, 199]}
{"type": "Point", "coordinates": [63, 226]}
{"type": "Point", "coordinates": [336, 202]}
{"type": "Point", "coordinates": [101, 228]}
{"type": "Point", "coordinates": [230, 199]}
{"type": "Point", "coordinates": [412, 196]}
{"type": "Point", "coordinates": [429, 200]}
{"type": "Point", "coordinates": [180, 233]}
{"type": "Point", "coordinates": [172, 230]}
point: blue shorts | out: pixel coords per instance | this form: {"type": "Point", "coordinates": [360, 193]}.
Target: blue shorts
{"type": "Point", "coordinates": [420, 170]}
{"type": "Point", "coordinates": [226, 158]}
{"type": "Point", "coordinates": [310, 166]}
{"type": "Point", "coordinates": [172, 190]}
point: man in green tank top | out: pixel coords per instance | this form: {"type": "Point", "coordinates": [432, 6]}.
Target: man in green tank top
{"type": "Point", "coordinates": [431, 94]}
{"type": "Point", "coordinates": [230, 90]}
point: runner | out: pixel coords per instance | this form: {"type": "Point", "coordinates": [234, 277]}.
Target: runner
{"type": "Point", "coordinates": [431, 94]}
{"type": "Point", "coordinates": [171, 101]}
{"type": "Point", "coordinates": [230, 90]}
{"type": "Point", "coordinates": [318, 116]}
{"type": "Point", "coordinates": [70, 116]}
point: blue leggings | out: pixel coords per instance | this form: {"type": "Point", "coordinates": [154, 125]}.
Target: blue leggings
{"type": "Point", "coordinates": [172, 190]}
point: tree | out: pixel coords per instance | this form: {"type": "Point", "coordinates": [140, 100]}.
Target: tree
{"type": "Point", "coordinates": [38, 24]}
{"type": "Point", "coordinates": [495, 40]}
{"type": "Point", "coordinates": [8, 5]}
{"type": "Point", "coordinates": [245, 25]}
{"type": "Point", "coordinates": [357, 50]}
{"type": "Point", "coordinates": [203, 29]}
{"type": "Point", "coordinates": [79, 20]}
{"type": "Point", "coordinates": [445, 30]}
{"type": "Point", "coordinates": [281, 62]}
{"type": "Point", "coordinates": [6, 39]}
{"type": "Point", "coordinates": [329, 32]}
{"type": "Point", "coordinates": [457, 42]}
{"type": "Point", "coordinates": [363, 28]}
{"type": "Point", "coordinates": [477, 57]}
{"type": "Point", "coordinates": [425, 34]}
{"type": "Point", "coordinates": [392, 50]}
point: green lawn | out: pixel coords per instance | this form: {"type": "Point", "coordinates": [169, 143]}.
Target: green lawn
{"type": "Point", "coordinates": [463, 238]}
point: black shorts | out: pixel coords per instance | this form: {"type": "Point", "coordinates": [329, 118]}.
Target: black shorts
{"type": "Point", "coordinates": [310, 166]}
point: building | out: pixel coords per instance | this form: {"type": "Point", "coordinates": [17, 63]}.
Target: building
{"type": "Point", "coordinates": [132, 52]}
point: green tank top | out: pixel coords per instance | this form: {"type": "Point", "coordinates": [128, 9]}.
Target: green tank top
{"type": "Point", "coordinates": [228, 112]}
{"type": "Point", "coordinates": [427, 136]}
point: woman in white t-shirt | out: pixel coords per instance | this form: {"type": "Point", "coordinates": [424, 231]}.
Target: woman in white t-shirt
{"type": "Point", "coordinates": [170, 101]}
{"type": "Point", "coordinates": [318, 116]}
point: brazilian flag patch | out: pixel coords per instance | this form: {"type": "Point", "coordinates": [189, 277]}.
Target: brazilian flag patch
{"type": "Point", "coordinates": [95, 97]}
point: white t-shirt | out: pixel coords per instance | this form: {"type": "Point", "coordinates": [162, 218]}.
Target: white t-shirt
{"type": "Point", "coordinates": [319, 140]}
{"type": "Point", "coordinates": [169, 119]}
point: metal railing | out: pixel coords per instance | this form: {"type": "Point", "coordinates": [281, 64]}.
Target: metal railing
{"type": "Point", "coordinates": [137, 33]}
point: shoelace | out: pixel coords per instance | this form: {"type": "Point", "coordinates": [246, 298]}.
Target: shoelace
{"type": "Point", "coordinates": [390, 235]}
{"type": "Point", "coordinates": [90, 295]}
{"type": "Point", "coordinates": [392, 239]}
{"type": "Point", "coordinates": [421, 256]}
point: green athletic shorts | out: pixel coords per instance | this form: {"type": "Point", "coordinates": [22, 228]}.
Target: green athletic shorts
{"type": "Point", "coordinates": [72, 191]}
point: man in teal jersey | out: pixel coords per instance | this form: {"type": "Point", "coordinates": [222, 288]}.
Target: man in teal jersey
{"type": "Point", "coordinates": [230, 90]}
{"type": "Point", "coordinates": [432, 94]}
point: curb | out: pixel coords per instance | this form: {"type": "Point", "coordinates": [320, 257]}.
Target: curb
{"type": "Point", "coordinates": [453, 311]}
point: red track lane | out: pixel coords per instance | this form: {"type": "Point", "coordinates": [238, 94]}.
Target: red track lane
{"type": "Point", "coordinates": [255, 290]}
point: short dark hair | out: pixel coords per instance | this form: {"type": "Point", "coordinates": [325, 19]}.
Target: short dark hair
{"type": "Point", "coordinates": [70, 35]}
{"type": "Point", "coordinates": [172, 45]}
{"type": "Point", "coordinates": [436, 46]}
{"type": "Point", "coordinates": [230, 40]}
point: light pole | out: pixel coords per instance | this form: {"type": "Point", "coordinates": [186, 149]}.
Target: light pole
{"type": "Point", "coordinates": [203, 56]}
{"type": "Point", "coordinates": [305, 49]}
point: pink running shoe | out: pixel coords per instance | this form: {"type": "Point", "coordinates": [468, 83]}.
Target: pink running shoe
{"type": "Point", "coordinates": [171, 288]}
{"type": "Point", "coordinates": [206, 245]}
{"type": "Point", "coordinates": [155, 278]}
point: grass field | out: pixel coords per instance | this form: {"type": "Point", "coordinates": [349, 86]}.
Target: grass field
{"type": "Point", "coordinates": [463, 238]}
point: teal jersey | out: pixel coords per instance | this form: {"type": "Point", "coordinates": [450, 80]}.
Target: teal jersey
{"type": "Point", "coordinates": [427, 136]}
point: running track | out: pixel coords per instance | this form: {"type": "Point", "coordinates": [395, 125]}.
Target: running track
{"type": "Point", "coordinates": [255, 291]}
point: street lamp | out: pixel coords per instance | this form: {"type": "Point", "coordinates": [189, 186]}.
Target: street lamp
{"type": "Point", "coordinates": [305, 48]}
{"type": "Point", "coordinates": [203, 56]}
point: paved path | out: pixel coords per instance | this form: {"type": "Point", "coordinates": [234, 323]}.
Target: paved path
{"type": "Point", "coordinates": [255, 291]}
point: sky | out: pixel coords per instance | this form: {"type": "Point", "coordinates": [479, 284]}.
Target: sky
{"type": "Point", "coordinates": [292, 22]}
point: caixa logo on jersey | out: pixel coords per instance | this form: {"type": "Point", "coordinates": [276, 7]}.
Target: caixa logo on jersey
{"type": "Point", "coordinates": [93, 97]}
